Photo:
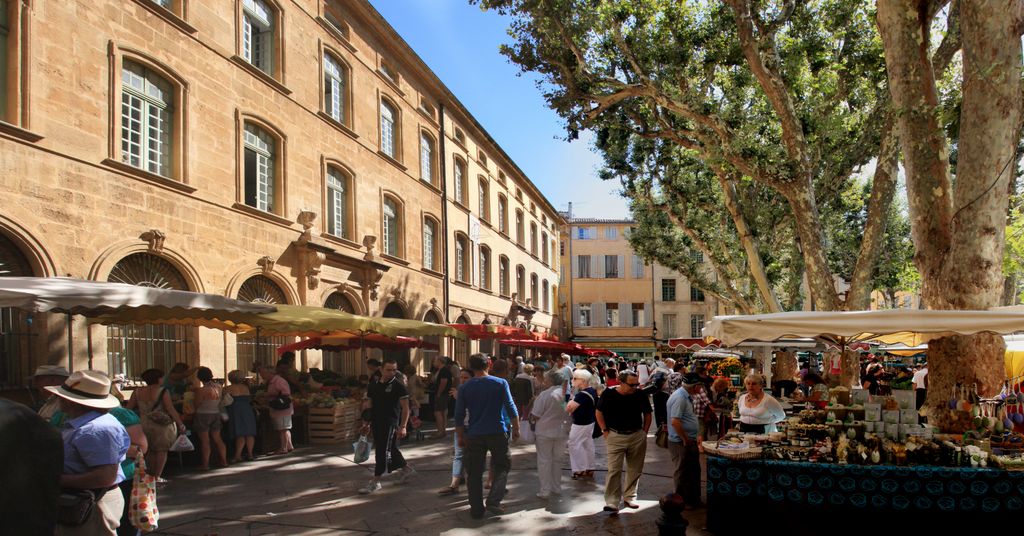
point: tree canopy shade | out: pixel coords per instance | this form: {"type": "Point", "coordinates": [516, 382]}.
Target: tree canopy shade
{"type": "Point", "coordinates": [791, 96]}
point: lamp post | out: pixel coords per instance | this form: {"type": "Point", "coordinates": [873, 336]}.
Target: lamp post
{"type": "Point", "coordinates": [654, 337]}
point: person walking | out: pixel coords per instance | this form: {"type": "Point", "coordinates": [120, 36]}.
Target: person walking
{"type": "Point", "coordinates": [921, 385]}
{"type": "Point", "coordinates": [549, 418]}
{"type": "Point", "coordinates": [458, 474]}
{"type": "Point", "coordinates": [95, 444]}
{"type": "Point", "coordinates": [206, 423]}
{"type": "Point", "coordinates": [522, 388]}
{"type": "Point", "coordinates": [442, 383]}
{"type": "Point", "coordinates": [683, 439]}
{"type": "Point", "coordinates": [624, 415]}
{"type": "Point", "coordinates": [493, 419]}
{"type": "Point", "coordinates": [581, 434]}
{"type": "Point", "coordinates": [387, 412]}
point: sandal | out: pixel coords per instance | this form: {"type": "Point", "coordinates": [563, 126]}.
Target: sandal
{"type": "Point", "coordinates": [448, 490]}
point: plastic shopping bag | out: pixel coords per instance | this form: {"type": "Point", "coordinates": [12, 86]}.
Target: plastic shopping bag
{"type": "Point", "coordinates": [361, 449]}
{"type": "Point", "coordinates": [142, 511]}
{"type": "Point", "coordinates": [526, 433]}
{"type": "Point", "coordinates": [182, 445]}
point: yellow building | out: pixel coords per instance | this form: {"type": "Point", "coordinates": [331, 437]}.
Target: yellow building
{"type": "Point", "coordinates": [284, 152]}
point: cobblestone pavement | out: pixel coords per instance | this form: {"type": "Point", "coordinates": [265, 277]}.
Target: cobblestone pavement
{"type": "Point", "coordinates": [312, 491]}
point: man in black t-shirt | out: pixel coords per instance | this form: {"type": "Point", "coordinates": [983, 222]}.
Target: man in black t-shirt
{"type": "Point", "coordinates": [386, 409]}
{"type": "Point", "coordinates": [442, 383]}
{"type": "Point", "coordinates": [624, 416]}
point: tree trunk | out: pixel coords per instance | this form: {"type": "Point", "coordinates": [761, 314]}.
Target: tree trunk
{"type": "Point", "coordinates": [812, 246]}
{"type": "Point", "coordinates": [882, 189]}
{"type": "Point", "coordinates": [785, 366]}
{"type": "Point", "coordinates": [754, 261]}
{"type": "Point", "coordinates": [904, 30]}
{"type": "Point", "coordinates": [967, 360]}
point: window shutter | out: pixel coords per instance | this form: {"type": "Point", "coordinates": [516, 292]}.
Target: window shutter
{"type": "Point", "coordinates": [597, 266]}
{"type": "Point", "coordinates": [597, 316]}
{"type": "Point", "coordinates": [575, 265]}
{"type": "Point", "coordinates": [647, 315]}
{"type": "Point", "coordinates": [622, 265]}
{"type": "Point", "coordinates": [625, 314]}
{"type": "Point", "coordinates": [575, 315]}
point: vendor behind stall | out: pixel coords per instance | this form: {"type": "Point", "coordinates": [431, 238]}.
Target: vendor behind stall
{"type": "Point", "coordinates": [759, 411]}
{"type": "Point", "coordinates": [817, 390]}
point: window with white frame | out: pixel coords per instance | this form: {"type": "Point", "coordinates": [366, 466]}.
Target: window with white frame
{"type": "Point", "coordinates": [388, 134]}
{"type": "Point", "coordinates": [521, 283]}
{"type": "Point", "coordinates": [485, 268]}
{"type": "Point", "coordinates": [462, 253]}
{"type": "Point", "coordinates": [392, 227]}
{"type": "Point", "coordinates": [520, 230]}
{"type": "Point", "coordinates": [259, 168]}
{"type": "Point", "coordinates": [484, 200]}
{"type": "Point", "coordinates": [426, 158]}
{"type": "Point", "coordinates": [545, 296]}
{"type": "Point", "coordinates": [533, 238]}
{"type": "Point", "coordinates": [502, 214]}
{"type": "Point", "coordinates": [338, 204]}
{"type": "Point", "coordinates": [334, 89]}
{"type": "Point", "coordinates": [638, 312]}
{"type": "Point", "coordinates": [584, 312]}
{"type": "Point", "coordinates": [611, 315]}
{"type": "Point", "coordinates": [583, 266]}
{"type": "Point", "coordinates": [696, 294]}
{"type": "Point", "coordinates": [586, 233]}
{"type": "Point", "coordinates": [611, 266]}
{"type": "Point", "coordinates": [544, 247]}
{"type": "Point", "coordinates": [611, 233]}
{"type": "Point", "coordinates": [460, 182]}
{"type": "Point", "coordinates": [258, 35]}
{"type": "Point", "coordinates": [503, 275]}
{"type": "Point", "coordinates": [534, 291]}
{"type": "Point", "coordinates": [696, 326]}
{"type": "Point", "coordinates": [146, 118]}
{"type": "Point", "coordinates": [668, 326]}
{"type": "Point", "coordinates": [429, 244]}
{"type": "Point", "coordinates": [638, 267]}
{"type": "Point", "coordinates": [668, 290]}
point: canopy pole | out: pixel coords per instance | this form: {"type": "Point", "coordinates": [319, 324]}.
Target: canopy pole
{"type": "Point", "coordinates": [71, 357]}
{"type": "Point", "coordinates": [257, 352]}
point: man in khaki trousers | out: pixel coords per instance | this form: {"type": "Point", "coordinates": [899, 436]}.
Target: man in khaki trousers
{"type": "Point", "coordinates": [624, 416]}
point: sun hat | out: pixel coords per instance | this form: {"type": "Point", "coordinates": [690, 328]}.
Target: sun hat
{"type": "Point", "coordinates": [51, 370]}
{"type": "Point", "coordinates": [88, 388]}
{"type": "Point", "coordinates": [690, 379]}
{"type": "Point", "coordinates": [581, 366]}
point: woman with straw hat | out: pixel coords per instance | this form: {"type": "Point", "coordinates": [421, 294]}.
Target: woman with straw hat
{"type": "Point", "coordinates": [95, 444]}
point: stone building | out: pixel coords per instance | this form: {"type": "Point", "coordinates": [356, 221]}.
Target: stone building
{"type": "Point", "coordinates": [283, 152]}
{"type": "Point", "coordinates": [617, 301]}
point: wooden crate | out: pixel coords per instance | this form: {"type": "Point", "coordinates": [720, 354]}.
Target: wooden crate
{"type": "Point", "coordinates": [329, 426]}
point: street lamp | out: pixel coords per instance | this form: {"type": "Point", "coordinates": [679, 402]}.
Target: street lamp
{"type": "Point", "coordinates": [654, 331]}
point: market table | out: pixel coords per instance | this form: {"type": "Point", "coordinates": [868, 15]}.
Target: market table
{"type": "Point", "coordinates": [821, 498]}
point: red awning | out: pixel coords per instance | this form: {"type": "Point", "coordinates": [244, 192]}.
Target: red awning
{"type": "Point", "coordinates": [493, 331]}
{"type": "Point", "coordinates": [341, 344]}
{"type": "Point", "coordinates": [694, 344]}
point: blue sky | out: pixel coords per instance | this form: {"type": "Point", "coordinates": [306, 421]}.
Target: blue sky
{"type": "Point", "coordinates": [460, 44]}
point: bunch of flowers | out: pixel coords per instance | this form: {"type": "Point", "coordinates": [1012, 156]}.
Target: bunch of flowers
{"type": "Point", "coordinates": [726, 367]}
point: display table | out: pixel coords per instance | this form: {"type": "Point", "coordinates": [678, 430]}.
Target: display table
{"type": "Point", "coordinates": [821, 498]}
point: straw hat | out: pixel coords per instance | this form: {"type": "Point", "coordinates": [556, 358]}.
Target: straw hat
{"type": "Point", "coordinates": [88, 388]}
{"type": "Point", "coordinates": [51, 370]}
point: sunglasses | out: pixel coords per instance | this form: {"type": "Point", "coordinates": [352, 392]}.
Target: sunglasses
{"type": "Point", "coordinates": [633, 385]}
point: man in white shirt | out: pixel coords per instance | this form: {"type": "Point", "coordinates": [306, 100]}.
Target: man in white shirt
{"type": "Point", "coordinates": [644, 372]}
{"type": "Point", "coordinates": [921, 384]}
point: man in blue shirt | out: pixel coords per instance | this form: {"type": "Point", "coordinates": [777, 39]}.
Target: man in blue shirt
{"type": "Point", "coordinates": [683, 439]}
{"type": "Point", "coordinates": [95, 444]}
{"type": "Point", "coordinates": [492, 418]}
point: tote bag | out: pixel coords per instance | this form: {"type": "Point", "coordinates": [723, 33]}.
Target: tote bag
{"type": "Point", "coordinates": [142, 511]}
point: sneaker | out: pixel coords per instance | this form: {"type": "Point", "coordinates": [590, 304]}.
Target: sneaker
{"type": "Point", "coordinates": [543, 496]}
{"type": "Point", "coordinates": [611, 510]}
{"type": "Point", "coordinates": [369, 488]}
{"type": "Point", "coordinates": [406, 473]}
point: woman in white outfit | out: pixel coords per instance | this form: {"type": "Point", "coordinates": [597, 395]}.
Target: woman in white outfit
{"type": "Point", "coordinates": [549, 416]}
{"type": "Point", "coordinates": [581, 434]}
{"type": "Point", "coordinates": [759, 411]}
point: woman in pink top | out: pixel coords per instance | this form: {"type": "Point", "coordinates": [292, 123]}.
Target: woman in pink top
{"type": "Point", "coordinates": [281, 418]}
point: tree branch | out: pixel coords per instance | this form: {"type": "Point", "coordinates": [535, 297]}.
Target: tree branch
{"type": "Point", "coordinates": [951, 42]}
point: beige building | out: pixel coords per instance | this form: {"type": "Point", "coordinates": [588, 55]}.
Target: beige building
{"type": "Point", "coordinates": [284, 152]}
{"type": "Point", "coordinates": [615, 300]}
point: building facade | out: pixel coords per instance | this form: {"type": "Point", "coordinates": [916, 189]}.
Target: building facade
{"type": "Point", "coordinates": [616, 301]}
{"type": "Point", "coordinates": [296, 153]}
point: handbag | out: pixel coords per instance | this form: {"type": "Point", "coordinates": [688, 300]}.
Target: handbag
{"type": "Point", "coordinates": [225, 401]}
{"type": "Point", "coordinates": [661, 438]}
{"type": "Point", "coordinates": [142, 511]}
{"type": "Point", "coordinates": [527, 434]}
{"type": "Point", "coordinates": [156, 415]}
{"type": "Point", "coordinates": [74, 506]}
{"type": "Point", "coordinates": [280, 402]}
{"type": "Point", "coordinates": [361, 449]}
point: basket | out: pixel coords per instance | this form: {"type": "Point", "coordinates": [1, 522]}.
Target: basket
{"type": "Point", "coordinates": [751, 453]}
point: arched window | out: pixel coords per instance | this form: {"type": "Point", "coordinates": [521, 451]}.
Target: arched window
{"type": "Point", "coordinates": [346, 362]}
{"type": "Point", "coordinates": [339, 204]}
{"type": "Point", "coordinates": [430, 353]}
{"type": "Point", "coordinates": [503, 276]}
{"type": "Point", "coordinates": [520, 230]}
{"type": "Point", "coordinates": [502, 214]}
{"type": "Point", "coordinates": [261, 33]}
{"type": "Point", "coordinates": [461, 196]}
{"type": "Point", "coordinates": [392, 227]}
{"type": "Point", "coordinates": [389, 129]}
{"type": "Point", "coordinates": [430, 244]}
{"type": "Point", "coordinates": [544, 247]}
{"type": "Point", "coordinates": [521, 283]}
{"type": "Point", "coordinates": [545, 297]}
{"type": "Point", "coordinates": [16, 334]}
{"type": "Point", "coordinates": [484, 200]}
{"type": "Point", "coordinates": [533, 238]}
{"type": "Point", "coordinates": [462, 345]}
{"type": "Point", "coordinates": [250, 351]}
{"type": "Point", "coordinates": [485, 267]}
{"type": "Point", "coordinates": [534, 293]}
{"type": "Point", "coordinates": [147, 119]}
{"type": "Point", "coordinates": [335, 89]}
{"type": "Point", "coordinates": [261, 185]}
{"type": "Point", "coordinates": [427, 159]}
{"type": "Point", "coordinates": [463, 258]}
{"type": "Point", "coordinates": [133, 348]}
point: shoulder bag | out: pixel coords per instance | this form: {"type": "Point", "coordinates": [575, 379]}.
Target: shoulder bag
{"type": "Point", "coordinates": [661, 437]}
{"type": "Point", "coordinates": [74, 506]}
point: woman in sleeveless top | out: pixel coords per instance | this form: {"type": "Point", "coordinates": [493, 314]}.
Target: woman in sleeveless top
{"type": "Point", "coordinates": [154, 399]}
{"type": "Point", "coordinates": [241, 416]}
{"type": "Point", "coordinates": [206, 423]}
